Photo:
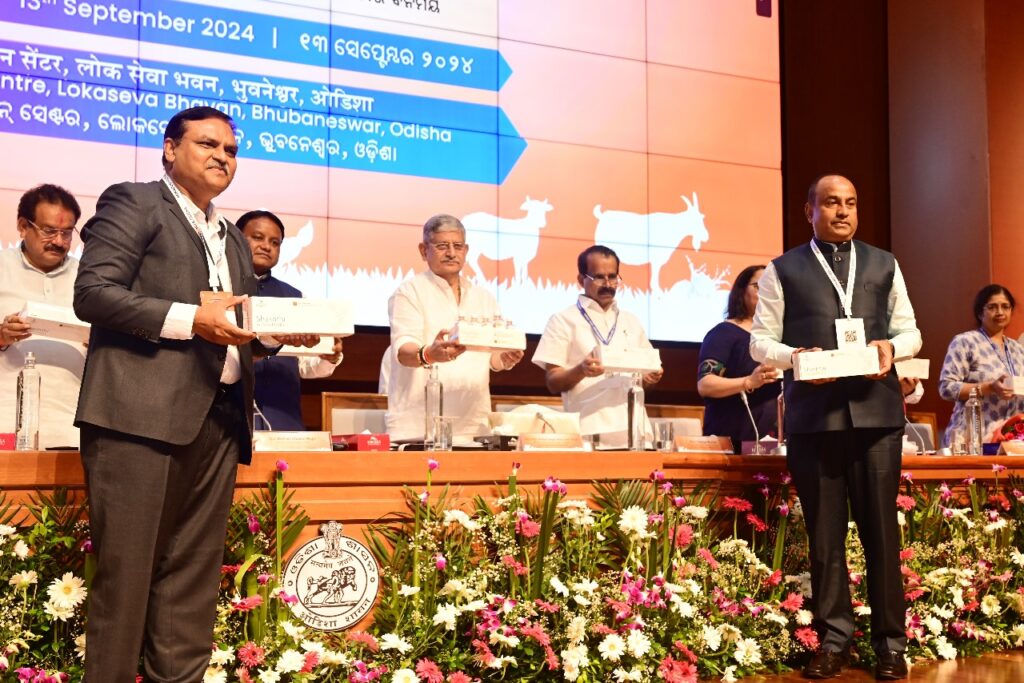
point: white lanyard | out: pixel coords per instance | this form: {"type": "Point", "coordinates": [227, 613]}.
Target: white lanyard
{"type": "Point", "coordinates": [212, 263]}
{"type": "Point", "coordinates": [845, 298]}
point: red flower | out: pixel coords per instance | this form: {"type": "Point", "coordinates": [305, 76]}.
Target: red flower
{"type": "Point", "coordinates": [907, 554]}
{"type": "Point", "coordinates": [807, 637]}
{"type": "Point", "coordinates": [459, 677]}
{"type": "Point", "coordinates": [755, 522]}
{"type": "Point", "coordinates": [792, 603]}
{"type": "Point", "coordinates": [774, 579]}
{"type": "Point", "coordinates": [312, 659]}
{"type": "Point", "coordinates": [428, 671]}
{"type": "Point", "coordinates": [251, 654]}
{"type": "Point", "coordinates": [246, 604]}
{"type": "Point", "coordinates": [674, 671]}
{"type": "Point", "coordinates": [914, 594]}
{"type": "Point", "coordinates": [363, 638]}
{"type": "Point", "coordinates": [684, 535]}
{"type": "Point", "coordinates": [687, 652]}
{"type": "Point", "coordinates": [737, 504]}
{"type": "Point", "coordinates": [708, 557]}
{"type": "Point", "coordinates": [905, 503]}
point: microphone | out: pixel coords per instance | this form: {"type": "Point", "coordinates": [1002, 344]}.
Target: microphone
{"type": "Point", "coordinates": [758, 448]}
{"type": "Point", "coordinates": [918, 436]}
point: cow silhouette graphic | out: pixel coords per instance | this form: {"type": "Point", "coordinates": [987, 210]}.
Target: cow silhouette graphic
{"type": "Point", "coordinates": [485, 233]}
{"type": "Point", "coordinates": [329, 586]}
{"type": "Point", "coordinates": [634, 234]}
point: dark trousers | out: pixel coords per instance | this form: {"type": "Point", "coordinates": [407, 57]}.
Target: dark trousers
{"type": "Point", "coordinates": [158, 515]}
{"type": "Point", "coordinates": [861, 466]}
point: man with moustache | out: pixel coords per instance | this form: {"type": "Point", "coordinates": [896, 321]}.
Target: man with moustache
{"type": "Point", "coordinates": [278, 384]}
{"type": "Point", "coordinates": [844, 436]}
{"type": "Point", "coordinates": [165, 409]}
{"type": "Point", "coordinates": [567, 350]}
{"type": "Point", "coordinates": [40, 271]}
{"type": "Point", "coordinates": [422, 312]}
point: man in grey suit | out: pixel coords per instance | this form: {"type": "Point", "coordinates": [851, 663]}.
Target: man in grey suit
{"type": "Point", "coordinates": [165, 409]}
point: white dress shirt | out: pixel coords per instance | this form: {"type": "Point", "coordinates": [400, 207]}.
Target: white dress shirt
{"type": "Point", "coordinates": [766, 334]}
{"type": "Point", "coordinates": [567, 340]}
{"type": "Point", "coordinates": [419, 309]}
{"type": "Point", "coordinates": [60, 363]}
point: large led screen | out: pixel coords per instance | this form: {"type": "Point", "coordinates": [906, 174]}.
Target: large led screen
{"type": "Point", "coordinates": [545, 125]}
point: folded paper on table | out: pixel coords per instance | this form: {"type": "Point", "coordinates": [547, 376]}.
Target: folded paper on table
{"type": "Point", "coordinates": [267, 441]}
{"type": "Point", "coordinates": [850, 362]}
{"type": "Point", "coordinates": [269, 315]}
{"type": "Point", "coordinates": [913, 367]}
{"type": "Point", "coordinates": [629, 360]}
{"type": "Point", "coordinates": [56, 322]}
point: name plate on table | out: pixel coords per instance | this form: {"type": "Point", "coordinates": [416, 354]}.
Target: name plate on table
{"type": "Point", "coordinates": [913, 367]}
{"type": "Point", "coordinates": [629, 360]}
{"type": "Point", "coordinates": [850, 362]}
{"type": "Point", "coordinates": [269, 315]}
{"type": "Point", "coordinates": [56, 322]}
{"type": "Point", "coordinates": [704, 444]}
{"type": "Point", "coordinates": [324, 348]}
{"type": "Point", "coordinates": [264, 441]}
{"type": "Point", "coordinates": [488, 336]}
{"type": "Point", "coordinates": [1012, 448]}
{"type": "Point", "coordinates": [550, 442]}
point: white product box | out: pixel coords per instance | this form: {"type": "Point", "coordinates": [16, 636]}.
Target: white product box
{"type": "Point", "coordinates": [325, 347]}
{"type": "Point", "coordinates": [57, 322]}
{"type": "Point", "coordinates": [485, 336]}
{"type": "Point", "coordinates": [629, 360]}
{"type": "Point", "coordinates": [832, 364]}
{"type": "Point", "coordinates": [913, 367]}
{"type": "Point", "coordinates": [269, 315]}
{"type": "Point", "coordinates": [1018, 385]}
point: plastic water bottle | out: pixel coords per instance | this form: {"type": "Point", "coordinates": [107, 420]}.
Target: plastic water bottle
{"type": "Point", "coordinates": [972, 417]}
{"type": "Point", "coordinates": [635, 413]}
{"type": "Point", "coordinates": [27, 412]}
{"type": "Point", "coordinates": [433, 404]}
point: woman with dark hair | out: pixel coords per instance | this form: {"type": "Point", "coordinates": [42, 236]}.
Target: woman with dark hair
{"type": "Point", "coordinates": [984, 359]}
{"type": "Point", "coordinates": [726, 371]}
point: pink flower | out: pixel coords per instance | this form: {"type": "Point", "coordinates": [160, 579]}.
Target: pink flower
{"type": "Point", "coordinates": [774, 579]}
{"type": "Point", "coordinates": [905, 503]}
{"type": "Point", "coordinates": [684, 535]}
{"type": "Point", "coordinates": [706, 555]}
{"type": "Point", "coordinates": [657, 475]}
{"type": "Point", "coordinates": [428, 671]}
{"type": "Point", "coordinates": [786, 478]}
{"type": "Point", "coordinates": [761, 478]}
{"type": "Point", "coordinates": [998, 468]}
{"type": "Point", "coordinates": [526, 527]}
{"type": "Point", "coordinates": [459, 677]}
{"type": "Point", "coordinates": [424, 497]}
{"type": "Point", "coordinates": [756, 522]}
{"type": "Point", "coordinates": [287, 598]}
{"type": "Point", "coordinates": [552, 485]}
{"type": "Point", "coordinates": [792, 603]}
{"type": "Point", "coordinates": [246, 604]}
{"type": "Point", "coordinates": [666, 487]}
{"type": "Point", "coordinates": [440, 562]}
{"type": "Point", "coordinates": [282, 466]}
{"type": "Point", "coordinates": [914, 594]}
{"type": "Point", "coordinates": [254, 523]}
{"type": "Point", "coordinates": [86, 546]}
{"type": "Point", "coordinates": [737, 504]}
{"type": "Point", "coordinates": [784, 510]}
{"type": "Point", "coordinates": [679, 501]}
{"type": "Point", "coordinates": [764, 491]}
{"type": "Point", "coordinates": [263, 579]}
{"type": "Point", "coordinates": [515, 468]}
{"type": "Point", "coordinates": [907, 476]}
{"type": "Point", "coordinates": [546, 606]}
{"type": "Point", "coordinates": [944, 491]}
{"type": "Point", "coordinates": [969, 481]}
{"type": "Point", "coordinates": [675, 671]}
{"type": "Point", "coordinates": [251, 654]}
{"type": "Point", "coordinates": [309, 663]}
{"type": "Point", "coordinates": [907, 554]}
{"type": "Point", "coordinates": [807, 637]}
{"type": "Point", "coordinates": [363, 638]}
{"type": "Point", "coordinates": [517, 567]}
{"type": "Point", "coordinates": [432, 464]}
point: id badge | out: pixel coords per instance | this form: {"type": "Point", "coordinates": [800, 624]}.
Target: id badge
{"type": "Point", "coordinates": [208, 297]}
{"type": "Point", "coordinates": [850, 333]}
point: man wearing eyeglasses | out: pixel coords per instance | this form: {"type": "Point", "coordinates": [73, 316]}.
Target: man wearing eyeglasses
{"type": "Point", "coordinates": [422, 311]}
{"type": "Point", "coordinates": [39, 270]}
{"type": "Point", "coordinates": [566, 350]}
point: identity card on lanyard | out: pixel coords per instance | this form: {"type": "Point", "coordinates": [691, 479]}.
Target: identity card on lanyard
{"type": "Point", "coordinates": [212, 262]}
{"type": "Point", "coordinates": [849, 330]}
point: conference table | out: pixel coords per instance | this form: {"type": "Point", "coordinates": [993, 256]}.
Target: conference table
{"type": "Point", "coordinates": [359, 487]}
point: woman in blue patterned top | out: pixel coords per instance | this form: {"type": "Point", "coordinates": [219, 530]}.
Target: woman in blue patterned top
{"type": "Point", "coordinates": [985, 359]}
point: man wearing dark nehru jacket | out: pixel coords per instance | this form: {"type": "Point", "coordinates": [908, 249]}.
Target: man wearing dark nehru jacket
{"type": "Point", "coordinates": [165, 409]}
{"type": "Point", "coordinates": [844, 435]}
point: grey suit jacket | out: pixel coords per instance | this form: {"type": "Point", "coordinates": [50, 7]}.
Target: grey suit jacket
{"type": "Point", "coordinates": [140, 255]}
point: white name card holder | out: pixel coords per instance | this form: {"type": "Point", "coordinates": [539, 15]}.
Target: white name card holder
{"type": "Point", "coordinates": [285, 441]}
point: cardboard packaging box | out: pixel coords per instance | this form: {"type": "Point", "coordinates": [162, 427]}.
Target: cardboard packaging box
{"type": "Point", "coordinates": [488, 336]}
{"type": "Point", "coordinates": [834, 364]}
{"type": "Point", "coordinates": [56, 322]}
{"type": "Point", "coordinates": [269, 315]}
{"type": "Point", "coordinates": [361, 442]}
{"type": "Point", "coordinates": [629, 360]}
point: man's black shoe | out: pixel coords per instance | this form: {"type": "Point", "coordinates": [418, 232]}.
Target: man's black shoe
{"type": "Point", "coordinates": [891, 666]}
{"type": "Point", "coordinates": [826, 664]}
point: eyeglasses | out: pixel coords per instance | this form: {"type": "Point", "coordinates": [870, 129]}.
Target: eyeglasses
{"type": "Point", "coordinates": [442, 247]}
{"type": "Point", "coordinates": [606, 280]}
{"type": "Point", "coordinates": [50, 234]}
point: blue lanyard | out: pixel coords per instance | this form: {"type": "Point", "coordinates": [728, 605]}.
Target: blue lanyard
{"type": "Point", "coordinates": [1007, 360]}
{"type": "Point", "coordinates": [593, 327]}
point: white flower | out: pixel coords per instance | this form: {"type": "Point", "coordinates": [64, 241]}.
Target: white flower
{"type": "Point", "coordinates": [291, 661]}
{"type": "Point", "coordinates": [294, 631]}
{"type": "Point", "coordinates": [215, 675]}
{"type": "Point", "coordinates": [990, 605]}
{"type": "Point", "coordinates": [775, 618]}
{"type": "Point", "coordinates": [934, 625]}
{"type": "Point", "coordinates": [684, 608]}
{"type": "Point", "coordinates": [612, 647]}
{"type": "Point", "coordinates": [499, 637]}
{"type": "Point", "coordinates": [406, 591]}
{"type": "Point", "coordinates": [995, 526]}
{"type": "Point", "coordinates": [502, 662]}
{"type": "Point", "coordinates": [446, 614]}
{"type": "Point", "coordinates": [332, 658]}
{"type": "Point", "coordinates": [712, 638]}
{"type": "Point", "coordinates": [391, 641]}
{"type": "Point", "coordinates": [456, 588]}
{"type": "Point", "coordinates": [804, 617]}
{"type": "Point", "coordinates": [862, 610]}
{"type": "Point", "coordinates": [23, 580]}
{"type": "Point", "coordinates": [577, 512]}
{"type": "Point", "coordinates": [269, 676]}
{"type": "Point", "coordinates": [7, 530]}
{"type": "Point", "coordinates": [559, 587]}
{"type": "Point", "coordinates": [729, 675]}
{"type": "Point", "coordinates": [802, 581]}
{"type": "Point", "coordinates": [1017, 557]}
{"type": "Point", "coordinates": [901, 518]}
{"type": "Point", "coordinates": [221, 657]}
{"type": "Point", "coordinates": [58, 612]}
{"type": "Point", "coordinates": [958, 597]}
{"type": "Point", "coordinates": [633, 521]}
{"type": "Point", "coordinates": [21, 549]}
{"type": "Point", "coordinates": [460, 517]}
{"type": "Point", "coordinates": [80, 646]}
{"type": "Point", "coordinates": [695, 588]}
{"type": "Point", "coordinates": [404, 676]}
{"type": "Point", "coordinates": [748, 652]}
{"type": "Point", "coordinates": [577, 629]}
{"type": "Point", "coordinates": [634, 674]}
{"type": "Point", "coordinates": [694, 511]}
{"type": "Point", "coordinates": [638, 643]}
{"type": "Point", "coordinates": [942, 612]}
{"type": "Point", "coordinates": [573, 659]}
{"type": "Point", "coordinates": [730, 633]}
{"type": "Point", "coordinates": [313, 646]}
{"type": "Point", "coordinates": [67, 591]}
{"type": "Point", "coordinates": [585, 586]}
{"type": "Point", "coordinates": [580, 600]}
{"type": "Point", "coordinates": [473, 606]}
{"type": "Point", "coordinates": [1017, 635]}
{"type": "Point", "coordinates": [944, 648]}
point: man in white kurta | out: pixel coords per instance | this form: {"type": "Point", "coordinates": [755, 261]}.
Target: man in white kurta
{"type": "Point", "coordinates": [566, 351]}
{"type": "Point", "coordinates": [40, 270]}
{"type": "Point", "coordinates": [422, 311]}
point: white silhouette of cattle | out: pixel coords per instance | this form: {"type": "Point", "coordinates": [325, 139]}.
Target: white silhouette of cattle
{"type": "Point", "coordinates": [484, 234]}
{"type": "Point", "coordinates": [293, 245]}
{"type": "Point", "coordinates": [636, 236]}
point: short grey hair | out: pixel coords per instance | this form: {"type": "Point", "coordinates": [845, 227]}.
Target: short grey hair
{"type": "Point", "coordinates": [442, 222]}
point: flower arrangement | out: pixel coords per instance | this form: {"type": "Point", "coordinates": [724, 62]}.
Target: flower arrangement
{"type": "Point", "coordinates": [641, 581]}
{"type": "Point", "coordinates": [1011, 430]}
